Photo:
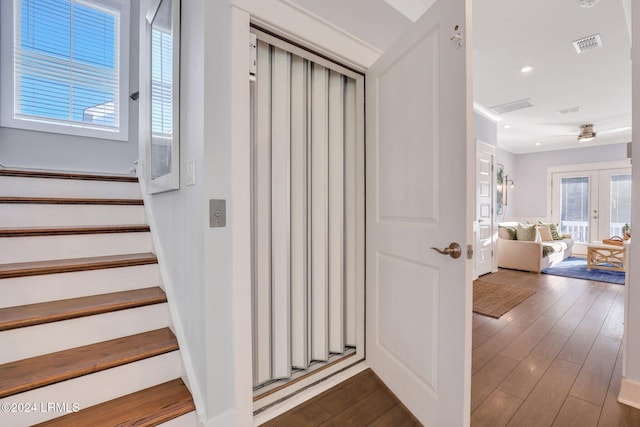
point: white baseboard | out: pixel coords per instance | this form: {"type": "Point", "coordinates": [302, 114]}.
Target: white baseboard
{"type": "Point", "coordinates": [629, 393]}
{"type": "Point", "coordinates": [225, 419]}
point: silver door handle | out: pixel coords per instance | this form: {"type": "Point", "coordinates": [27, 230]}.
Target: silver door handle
{"type": "Point", "coordinates": [454, 250]}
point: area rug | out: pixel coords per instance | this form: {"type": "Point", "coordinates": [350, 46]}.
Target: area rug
{"type": "Point", "coordinates": [495, 300]}
{"type": "Point", "coordinates": [577, 268]}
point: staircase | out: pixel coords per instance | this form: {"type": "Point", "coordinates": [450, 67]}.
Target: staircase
{"type": "Point", "coordinates": [85, 331]}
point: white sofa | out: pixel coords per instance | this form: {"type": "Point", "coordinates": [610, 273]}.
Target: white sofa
{"type": "Point", "coordinates": [527, 256]}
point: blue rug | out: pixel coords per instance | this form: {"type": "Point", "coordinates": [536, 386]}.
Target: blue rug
{"type": "Point", "coordinates": [577, 268]}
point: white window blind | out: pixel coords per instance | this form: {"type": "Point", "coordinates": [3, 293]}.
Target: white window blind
{"type": "Point", "coordinates": [66, 63]}
{"type": "Point", "coordinates": [162, 83]}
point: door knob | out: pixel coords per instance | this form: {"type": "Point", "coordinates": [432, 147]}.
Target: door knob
{"type": "Point", "coordinates": [454, 250]}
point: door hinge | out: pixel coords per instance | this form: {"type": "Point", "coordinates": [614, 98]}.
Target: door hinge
{"type": "Point", "coordinates": [469, 251]}
{"type": "Point", "coordinates": [253, 56]}
{"type": "Point", "coordinates": [457, 37]}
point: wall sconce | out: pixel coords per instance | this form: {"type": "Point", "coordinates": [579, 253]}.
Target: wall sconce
{"type": "Point", "coordinates": [508, 183]}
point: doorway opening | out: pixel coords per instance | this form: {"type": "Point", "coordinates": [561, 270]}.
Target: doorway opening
{"type": "Point", "coordinates": [307, 159]}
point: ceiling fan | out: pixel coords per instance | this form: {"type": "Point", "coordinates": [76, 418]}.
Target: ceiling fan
{"type": "Point", "coordinates": [587, 134]}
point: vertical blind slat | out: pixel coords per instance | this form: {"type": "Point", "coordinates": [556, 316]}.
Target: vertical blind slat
{"type": "Point", "coordinates": [299, 295]}
{"type": "Point", "coordinates": [319, 215]}
{"type": "Point", "coordinates": [262, 149]}
{"type": "Point", "coordinates": [350, 211]}
{"type": "Point", "coordinates": [280, 188]}
{"type": "Point", "coordinates": [336, 212]}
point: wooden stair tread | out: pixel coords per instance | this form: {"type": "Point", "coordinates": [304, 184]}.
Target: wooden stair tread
{"type": "Point", "coordinates": [69, 201]}
{"type": "Point", "coordinates": [28, 374]}
{"type": "Point", "coordinates": [35, 268]}
{"type": "Point", "coordinates": [148, 407]}
{"type": "Point", "coordinates": [65, 231]}
{"type": "Point", "coordinates": [52, 311]}
{"type": "Point", "coordinates": [67, 175]}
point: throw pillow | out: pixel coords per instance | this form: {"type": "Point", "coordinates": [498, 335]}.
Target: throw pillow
{"type": "Point", "coordinates": [555, 232]}
{"type": "Point", "coordinates": [545, 233]}
{"type": "Point", "coordinates": [527, 232]}
{"type": "Point", "coordinates": [507, 232]}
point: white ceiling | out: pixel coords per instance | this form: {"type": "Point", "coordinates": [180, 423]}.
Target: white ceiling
{"type": "Point", "coordinates": [509, 34]}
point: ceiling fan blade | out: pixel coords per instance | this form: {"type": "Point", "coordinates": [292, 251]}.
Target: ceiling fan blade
{"type": "Point", "coordinates": [614, 130]}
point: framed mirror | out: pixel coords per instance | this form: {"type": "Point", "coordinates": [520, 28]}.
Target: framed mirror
{"type": "Point", "coordinates": [162, 166]}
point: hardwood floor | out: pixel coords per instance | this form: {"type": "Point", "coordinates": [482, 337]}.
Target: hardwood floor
{"type": "Point", "coordinates": [554, 360]}
{"type": "Point", "coordinates": [360, 401]}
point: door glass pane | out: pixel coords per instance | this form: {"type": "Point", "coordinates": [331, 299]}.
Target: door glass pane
{"type": "Point", "coordinates": [574, 207]}
{"type": "Point", "coordinates": [620, 203]}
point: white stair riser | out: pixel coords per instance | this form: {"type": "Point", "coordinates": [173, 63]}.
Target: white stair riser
{"type": "Point", "coordinates": [186, 420]}
{"type": "Point", "coordinates": [95, 388]}
{"type": "Point", "coordinates": [45, 215]}
{"type": "Point", "coordinates": [22, 343]}
{"type": "Point", "coordinates": [42, 248]}
{"type": "Point", "coordinates": [50, 187]}
{"type": "Point", "coordinates": [52, 287]}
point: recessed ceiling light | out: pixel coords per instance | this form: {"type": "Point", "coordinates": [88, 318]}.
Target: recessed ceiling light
{"type": "Point", "coordinates": [507, 126]}
{"type": "Point", "coordinates": [526, 69]}
{"type": "Point", "coordinates": [538, 144]}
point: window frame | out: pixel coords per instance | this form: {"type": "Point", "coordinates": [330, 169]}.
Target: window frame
{"type": "Point", "coordinates": [8, 87]}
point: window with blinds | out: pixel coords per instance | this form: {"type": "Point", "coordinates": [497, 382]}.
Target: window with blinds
{"type": "Point", "coordinates": [67, 67]}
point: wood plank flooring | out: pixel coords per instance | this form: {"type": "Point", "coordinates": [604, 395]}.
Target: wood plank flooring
{"type": "Point", "coordinates": [553, 361]}
{"type": "Point", "coordinates": [363, 400]}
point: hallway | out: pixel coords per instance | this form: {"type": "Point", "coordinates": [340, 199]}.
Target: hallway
{"type": "Point", "coordinates": [554, 360]}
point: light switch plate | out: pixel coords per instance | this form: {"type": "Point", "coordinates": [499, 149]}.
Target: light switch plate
{"type": "Point", "coordinates": [217, 213]}
{"type": "Point", "coordinates": [191, 172]}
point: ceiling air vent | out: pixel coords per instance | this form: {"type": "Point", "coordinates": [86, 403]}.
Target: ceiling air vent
{"type": "Point", "coordinates": [588, 43]}
{"type": "Point", "coordinates": [512, 106]}
{"type": "Point", "coordinates": [570, 110]}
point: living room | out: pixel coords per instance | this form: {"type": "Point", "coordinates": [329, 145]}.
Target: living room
{"type": "Point", "coordinates": [559, 144]}
{"type": "Point", "coordinates": [557, 127]}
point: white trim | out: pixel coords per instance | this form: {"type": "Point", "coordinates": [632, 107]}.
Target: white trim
{"type": "Point", "coordinates": [7, 84]}
{"type": "Point", "coordinates": [614, 164]}
{"type": "Point", "coordinates": [171, 180]}
{"type": "Point", "coordinates": [484, 112]}
{"type": "Point", "coordinates": [240, 218]}
{"type": "Point", "coordinates": [294, 23]}
{"type": "Point", "coordinates": [303, 53]}
{"type": "Point", "coordinates": [169, 287]}
{"type": "Point", "coordinates": [629, 393]}
{"type": "Point", "coordinates": [298, 26]}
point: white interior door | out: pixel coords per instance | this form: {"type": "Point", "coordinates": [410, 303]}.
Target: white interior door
{"type": "Point", "coordinates": [484, 218]}
{"type": "Point", "coordinates": [418, 301]}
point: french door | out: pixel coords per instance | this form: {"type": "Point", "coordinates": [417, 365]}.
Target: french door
{"type": "Point", "coordinates": [592, 205]}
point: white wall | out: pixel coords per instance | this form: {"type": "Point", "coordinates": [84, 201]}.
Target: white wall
{"type": "Point", "coordinates": [530, 174]}
{"type": "Point", "coordinates": [197, 259]}
{"type": "Point", "coordinates": [485, 129]}
{"type": "Point", "coordinates": [43, 150]}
